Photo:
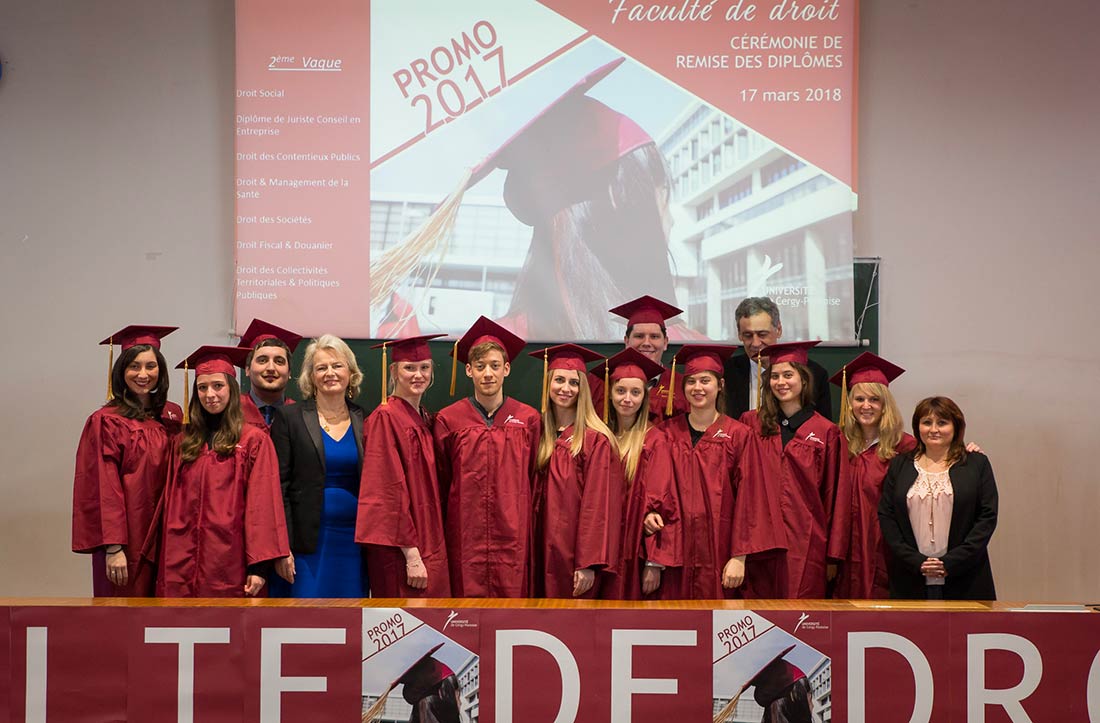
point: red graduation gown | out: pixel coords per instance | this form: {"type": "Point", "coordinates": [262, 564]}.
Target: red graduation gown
{"type": "Point", "coordinates": [658, 396]}
{"type": "Point", "coordinates": [859, 545]}
{"type": "Point", "coordinates": [578, 507]}
{"type": "Point", "coordinates": [121, 468]}
{"type": "Point", "coordinates": [399, 504]}
{"type": "Point", "coordinates": [485, 474]}
{"type": "Point", "coordinates": [802, 478]}
{"type": "Point", "coordinates": [221, 514]}
{"type": "Point", "coordinates": [714, 501]}
{"type": "Point", "coordinates": [654, 463]}
{"type": "Point", "coordinates": [253, 415]}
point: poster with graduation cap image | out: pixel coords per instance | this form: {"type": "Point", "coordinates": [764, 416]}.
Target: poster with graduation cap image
{"type": "Point", "coordinates": [540, 162]}
{"type": "Point", "coordinates": [760, 667]}
{"type": "Point", "coordinates": [410, 664]}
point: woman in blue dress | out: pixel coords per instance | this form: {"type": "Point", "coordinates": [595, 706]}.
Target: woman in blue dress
{"type": "Point", "coordinates": [320, 447]}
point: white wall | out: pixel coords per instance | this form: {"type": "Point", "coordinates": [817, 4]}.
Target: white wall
{"type": "Point", "coordinates": [978, 158]}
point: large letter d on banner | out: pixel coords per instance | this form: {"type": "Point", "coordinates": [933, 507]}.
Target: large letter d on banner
{"type": "Point", "coordinates": [567, 664]}
{"type": "Point", "coordinates": [858, 643]}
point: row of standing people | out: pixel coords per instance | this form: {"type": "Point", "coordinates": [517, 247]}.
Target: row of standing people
{"type": "Point", "coordinates": [488, 499]}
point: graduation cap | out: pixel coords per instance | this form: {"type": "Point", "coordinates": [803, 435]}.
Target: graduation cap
{"type": "Point", "coordinates": [131, 336]}
{"type": "Point", "coordinates": [867, 368]}
{"type": "Point", "coordinates": [210, 360]}
{"type": "Point", "coordinates": [553, 161]}
{"type": "Point", "coordinates": [788, 351]}
{"type": "Point", "coordinates": [409, 349]}
{"type": "Point", "coordinates": [646, 310]}
{"type": "Point", "coordinates": [627, 364]}
{"type": "Point", "coordinates": [771, 680]}
{"type": "Point", "coordinates": [568, 357]}
{"type": "Point", "coordinates": [420, 679]}
{"type": "Point", "coordinates": [484, 331]}
{"type": "Point", "coordinates": [260, 331]}
{"type": "Point", "coordinates": [698, 358]}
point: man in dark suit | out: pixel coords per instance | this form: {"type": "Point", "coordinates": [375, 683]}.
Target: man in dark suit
{"type": "Point", "coordinates": [758, 326]}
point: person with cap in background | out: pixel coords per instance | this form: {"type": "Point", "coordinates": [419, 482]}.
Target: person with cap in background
{"type": "Point", "coordinates": [485, 447]}
{"type": "Point", "coordinates": [268, 370]}
{"type": "Point", "coordinates": [429, 686]}
{"type": "Point", "coordinates": [647, 333]}
{"type": "Point", "coordinates": [802, 457]}
{"type": "Point", "coordinates": [781, 688]}
{"type": "Point", "coordinates": [758, 325]}
{"type": "Point", "coordinates": [400, 518]}
{"type": "Point", "coordinates": [874, 432]}
{"type": "Point", "coordinates": [591, 182]}
{"type": "Point", "coordinates": [578, 490]}
{"type": "Point", "coordinates": [644, 454]}
{"type": "Point", "coordinates": [319, 443]}
{"type": "Point", "coordinates": [122, 464]}
{"type": "Point", "coordinates": [222, 523]}
{"type": "Point", "coordinates": [715, 490]}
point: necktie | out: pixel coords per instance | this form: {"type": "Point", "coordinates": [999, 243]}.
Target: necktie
{"type": "Point", "coordinates": [269, 412]}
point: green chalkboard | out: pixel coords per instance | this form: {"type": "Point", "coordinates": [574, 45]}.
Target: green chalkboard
{"type": "Point", "coordinates": [525, 379]}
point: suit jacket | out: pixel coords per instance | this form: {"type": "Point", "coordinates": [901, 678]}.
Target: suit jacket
{"type": "Point", "coordinates": [737, 387]}
{"type": "Point", "coordinates": [973, 519]}
{"type": "Point", "coordinates": [296, 433]}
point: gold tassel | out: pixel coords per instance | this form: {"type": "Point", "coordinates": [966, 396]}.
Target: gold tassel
{"type": "Point", "coordinates": [845, 405]}
{"type": "Point", "coordinates": [110, 368]}
{"type": "Point", "coordinates": [759, 382]}
{"type": "Point", "coordinates": [545, 379]}
{"type": "Point", "coordinates": [385, 375]}
{"type": "Point", "coordinates": [454, 367]}
{"type": "Point", "coordinates": [723, 716]}
{"type": "Point", "coordinates": [374, 713]}
{"type": "Point", "coordinates": [606, 392]}
{"type": "Point", "coordinates": [186, 403]}
{"type": "Point", "coordinates": [671, 388]}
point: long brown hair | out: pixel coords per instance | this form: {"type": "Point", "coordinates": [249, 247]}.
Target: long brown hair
{"type": "Point", "coordinates": [943, 408]}
{"type": "Point", "coordinates": [890, 427]}
{"type": "Point", "coordinates": [768, 412]}
{"type": "Point", "coordinates": [586, 417]}
{"type": "Point", "coordinates": [121, 398]}
{"type": "Point", "coordinates": [223, 438]}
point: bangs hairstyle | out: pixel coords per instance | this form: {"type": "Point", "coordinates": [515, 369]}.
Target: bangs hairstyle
{"type": "Point", "coordinates": [123, 401]}
{"type": "Point", "coordinates": [334, 345]}
{"type": "Point", "coordinates": [632, 439]}
{"type": "Point", "coordinates": [586, 418]}
{"type": "Point", "coordinates": [480, 351]}
{"type": "Point", "coordinates": [768, 412]}
{"type": "Point", "coordinates": [943, 408]}
{"type": "Point", "coordinates": [890, 428]}
{"type": "Point", "coordinates": [574, 269]}
{"type": "Point", "coordinates": [223, 430]}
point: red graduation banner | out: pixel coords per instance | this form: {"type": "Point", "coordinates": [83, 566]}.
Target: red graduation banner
{"type": "Point", "coordinates": [406, 167]}
{"type": "Point", "coordinates": [268, 661]}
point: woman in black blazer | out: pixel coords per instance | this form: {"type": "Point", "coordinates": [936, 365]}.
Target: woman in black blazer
{"type": "Point", "coordinates": [938, 511]}
{"type": "Point", "coordinates": [320, 447]}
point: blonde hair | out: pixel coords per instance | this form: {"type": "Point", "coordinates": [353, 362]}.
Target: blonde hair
{"type": "Point", "coordinates": [391, 379]}
{"type": "Point", "coordinates": [586, 418]}
{"type": "Point", "coordinates": [890, 428]}
{"type": "Point", "coordinates": [337, 346]}
{"type": "Point", "coordinates": [632, 439]}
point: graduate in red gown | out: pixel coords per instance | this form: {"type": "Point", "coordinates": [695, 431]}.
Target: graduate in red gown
{"type": "Point", "coordinates": [485, 448]}
{"type": "Point", "coordinates": [714, 501]}
{"type": "Point", "coordinates": [647, 333]}
{"type": "Point", "coordinates": [579, 486]}
{"type": "Point", "coordinates": [400, 517]}
{"type": "Point", "coordinates": [223, 522]}
{"type": "Point", "coordinates": [122, 464]}
{"type": "Point", "coordinates": [874, 432]}
{"type": "Point", "coordinates": [802, 457]}
{"type": "Point", "coordinates": [645, 457]}
{"type": "Point", "coordinates": [268, 370]}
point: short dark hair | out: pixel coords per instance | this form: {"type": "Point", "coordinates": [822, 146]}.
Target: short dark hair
{"type": "Point", "coordinates": [754, 305]}
{"type": "Point", "coordinates": [266, 342]}
{"type": "Point", "coordinates": [944, 408]}
{"type": "Point", "coordinates": [630, 330]}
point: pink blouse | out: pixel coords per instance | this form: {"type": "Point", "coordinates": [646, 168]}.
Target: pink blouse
{"type": "Point", "coordinates": [929, 502]}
